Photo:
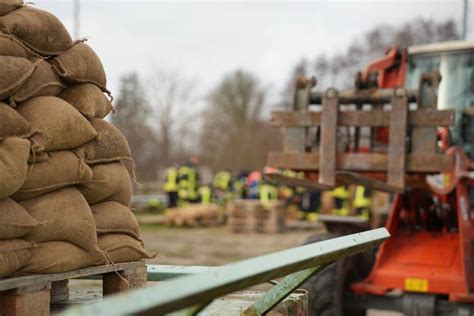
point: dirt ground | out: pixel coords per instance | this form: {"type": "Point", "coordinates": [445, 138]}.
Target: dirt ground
{"type": "Point", "coordinates": [216, 245]}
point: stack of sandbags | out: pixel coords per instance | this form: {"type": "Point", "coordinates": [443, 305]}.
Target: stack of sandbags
{"type": "Point", "coordinates": [64, 192]}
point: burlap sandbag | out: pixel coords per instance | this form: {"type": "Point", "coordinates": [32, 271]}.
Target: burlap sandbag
{"type": "Point", "coordinates": [61, 169]}
{"type": "Point", "coordinates": [57, 257]}
{"type": "Point", "coordinates": [113, 217]}
{"type": "Point", "coordinates": [10, 46]}
{"type": "Point", "coordinates": [69, 218]}
{"type": "Point", "coordinates": [14, 152]}
{"type": "Point", "coordinates": [14, 254]}
{"type": "Point", "coordinates": [15, 222]}
{"type": "Point", "coordinates": [6, 6]}
{"type": "Point", "coordinates": [88, 99]}
{"type": "Point", "coordinates": [110, 182]}
{"type": "Point", "coordinates": [123, 248]}
{"type": "Point", "coordinates": [15, 71]}
{"type": "Point", "coordinates": [80, 64]}
{"type": "Point", "coordinates": [43, 82]}
{"type": "Point", "coordinates": [39, 30]}
{"type": "Point", "coordinates": [62, 125]}
{"type": "Point", "coordinates": [12, 123]}
{"type": "Point", "coordinates": [110, 144]}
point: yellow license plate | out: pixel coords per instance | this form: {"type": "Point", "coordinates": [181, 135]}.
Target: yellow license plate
{"type": "Point", "coordinates": [416, 285]}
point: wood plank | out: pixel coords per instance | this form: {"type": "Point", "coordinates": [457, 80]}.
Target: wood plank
{"type": "Point", "coordinates": [363, 96]}
{"type": "Point", "coordinates": [24, 281]}
{"type": "Point", "coordinates": [328, 147]}
{"type": "Point", "coordinates": [397, 142]}
{"type": "Point", "coordinates": [369, 162]}
{"type": "Point", "coordinates": [373, 118]}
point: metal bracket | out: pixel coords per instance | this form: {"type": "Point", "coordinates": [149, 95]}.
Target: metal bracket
{"type": "Point", "coordinates": [278, 293]}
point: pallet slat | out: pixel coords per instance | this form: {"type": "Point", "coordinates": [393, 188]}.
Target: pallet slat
{"type": "Point", "coordinates": [369, 162]}
{"type": "Point", "coordinates": [397, 146]}
{"type": "Point", "coordinates": [374, 118]}
{"type": "Point", "coordinates": [24, 281]}
{"type": "Point", "coordinates": [328, 148]}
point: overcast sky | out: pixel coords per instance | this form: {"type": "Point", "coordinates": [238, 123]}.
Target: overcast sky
{"type": "Point", "coordinates": [204, 40]}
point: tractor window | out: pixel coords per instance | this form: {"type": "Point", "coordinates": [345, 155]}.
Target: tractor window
{"type": "Point", "coordinates": [456, 90]}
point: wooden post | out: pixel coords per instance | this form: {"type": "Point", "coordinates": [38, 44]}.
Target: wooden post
{"type": "Point", "coordinates": [328, 147]}
{"type": "Point", "coordinates": [120, 281]}
{"type": "Point", "coordinates": [397, 140]}
{"type": "Point", "coordinates": [25, 301]}
{"type": "Point", "coordinates": [59, 291]}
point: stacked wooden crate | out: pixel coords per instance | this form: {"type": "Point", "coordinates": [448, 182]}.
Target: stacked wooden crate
{"type": "Point", "coordinates": [250, 216]}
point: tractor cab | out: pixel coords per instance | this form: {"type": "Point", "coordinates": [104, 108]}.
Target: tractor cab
{"type": "Point", "coordinates": [455, 63]}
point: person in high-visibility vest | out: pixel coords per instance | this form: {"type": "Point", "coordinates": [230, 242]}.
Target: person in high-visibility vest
{"type": "Point", "coordinates": [362, 201]}
{"type": "Point", "coordinates": [267, 193]}
{"type": "Point", "coordinates": [205, 194]}
{"type": "Point", "coordinates": [222, 180]}
{"type": "Point", "coordinates": [221, 187]}
{"type": "Point", "coordinates": [171, 186]}
{"type": "Point", "coordinates": [188, 181]}
{"type": "Point", "coordinates": [239, 186]}
{"type": "Point", "coordinates": [341, 201]}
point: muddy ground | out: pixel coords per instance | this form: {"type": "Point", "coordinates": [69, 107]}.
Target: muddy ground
{"type": "Point", "coordinates": [215, 245]}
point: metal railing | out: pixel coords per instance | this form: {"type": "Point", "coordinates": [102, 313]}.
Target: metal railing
{"type": "Point", "coordinates": [189, 294]}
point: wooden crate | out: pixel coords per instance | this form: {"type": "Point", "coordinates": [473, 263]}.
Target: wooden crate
{"type": "Point", "coordinates": [249, 216]}
{"type": "Point", "coordinates": [32, 295]}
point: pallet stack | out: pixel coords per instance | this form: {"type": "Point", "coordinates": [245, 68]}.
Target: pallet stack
{"type": "Point", "coordinates": [64, 192]}
{"type": "Point", "coordinates": [249, 216]}
{"type": "Point", "coordinates": [195, 215]}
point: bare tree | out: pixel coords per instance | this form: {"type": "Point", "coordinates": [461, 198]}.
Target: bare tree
{"type": "Point", "coordinates": [233, 137]}
{"type": "Point", "coordinates": [339, 69]}
{"type": "Point", "coordinates": [132, 118]}
{"type": "Point", "coordinates": [173, 106]}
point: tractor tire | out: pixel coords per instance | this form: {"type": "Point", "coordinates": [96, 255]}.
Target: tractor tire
{"type": "Point", "coordinates": [326, 289]}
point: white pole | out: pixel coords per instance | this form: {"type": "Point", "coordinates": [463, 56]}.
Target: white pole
{"type": "Point", "coordinates": [464, 19]}
{"type": "Point", "coordinates": [77, 9]}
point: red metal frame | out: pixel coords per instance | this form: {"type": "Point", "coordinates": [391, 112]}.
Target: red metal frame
{"type": "Point", "coordinates": [390, 69]}
{"type": "Point", "coordinates": [442, 258]}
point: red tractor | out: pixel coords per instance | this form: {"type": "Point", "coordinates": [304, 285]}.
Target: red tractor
{"type": "Point", "coordinates": [407, 129]}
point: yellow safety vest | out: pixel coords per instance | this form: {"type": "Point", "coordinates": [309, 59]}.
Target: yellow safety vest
{"type": "Point", "coordinates": [187, 183]}
{"type": "Point", "coordinates": [205, 194]}
{"type": "Point", "coordinates": [267, 193]}
{"type": "Point", "coordinates": [171, 184]}
{"type": "Point", "coordinates": [222, 180]}
{"type": "Point", "coordinates": [341, 196]}
{"type": "Point", "coordinates": [362, 202]}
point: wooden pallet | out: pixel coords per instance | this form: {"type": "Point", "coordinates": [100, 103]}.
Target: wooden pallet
{"type": "Point", "coordinates": [32, 295]}
{"type": "Point", "coordinates": [312, 140]}
{"type": "Point", "coordinates": [249, 216]}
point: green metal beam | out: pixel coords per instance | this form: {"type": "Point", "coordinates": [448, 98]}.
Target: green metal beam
{"type": "Point", "coordinates": [278, 293]}
{"type": "Point", "coordinates": [159, 272]}
{"type": "Point", "coordinates": [203, 287]}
